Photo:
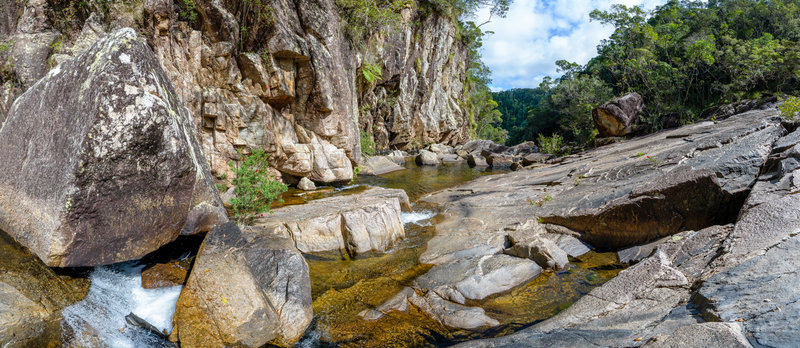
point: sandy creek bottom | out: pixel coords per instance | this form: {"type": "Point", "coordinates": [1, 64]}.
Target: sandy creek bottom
{"type": "Point", "coordinates": [343, 287]}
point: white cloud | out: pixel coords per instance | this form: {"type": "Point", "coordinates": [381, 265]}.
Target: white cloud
{"type": "Point", "coordinates": [536, 33]}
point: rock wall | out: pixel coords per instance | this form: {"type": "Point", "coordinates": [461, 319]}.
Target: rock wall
{"type": "Point", "coordinates": [417, 101]}
{"type": "Point", "coordinates": [289, 83]}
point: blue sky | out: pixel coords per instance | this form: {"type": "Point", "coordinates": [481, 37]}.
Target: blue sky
{"type": "Point", "coordinates": [536, 33]}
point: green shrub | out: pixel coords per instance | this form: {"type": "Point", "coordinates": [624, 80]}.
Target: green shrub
{"type": "Point", "coordinates": [188, 11]}
{"type": "Point", "coordinates": [790, 108]}
{"type": "Point", "coordinates": [255, 189]}
{"type": "Point", "coordinates": [5, 46]}
{"type": "Point", "coordinates": [367, 144]}
{"type": "Point", "coordinates": [364, 17]}
{"type": "Point", "coordinates": [371, 72]}
{"type": "Point", "coordinates": [550, 145]}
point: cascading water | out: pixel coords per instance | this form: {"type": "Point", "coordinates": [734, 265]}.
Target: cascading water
{"type": "Point", "coordinates": [115, 292]}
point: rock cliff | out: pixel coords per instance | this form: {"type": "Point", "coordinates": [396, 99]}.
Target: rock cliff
{"type": "Point", "coordinates": [280, 75]}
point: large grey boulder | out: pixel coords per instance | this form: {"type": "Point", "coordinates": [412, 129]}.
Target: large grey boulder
{"type": "Point", "coordinates": [247, 288]}
{"type": "Point", "coordinates": [377, 165]}
{"type": "Point", "coordinates": [352, 224]}
{"type": "Point", "coordinates": [101, 161]}
{"type": "Point", "coordinates": [617, 117]}
{"type": "Point", "coordinates": [427, 158]}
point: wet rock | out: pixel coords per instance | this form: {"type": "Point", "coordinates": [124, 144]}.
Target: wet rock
{"type": "Point", "coordinates": [306, 185]}
{"type": "Point", "coordinates": [543, 251]}
{"type": "Point", "coordinates": [642, 302]}
{"type": "Point", "coordinates": [427, 158]}
{"type": "Point", "coordinates": [353, 224]}
{"type": "Point", "coordinates": [479, 277]}
{"type": "Point", "coordinates": [475, 160]}
{"type": "Point", "coordinates": [377, 165]}
{"type": "Point", "coordinates": [117, 128]}
{"type": "Point", "coordinates": [247, 288]}
{"type": "Point", "coordinates": [617, 117]}
{"type": "Point", "coordinates": [164, 275]}
{"type": "Point", "coordinates": [452, 314]}
{"type": "Point", "coordinates": [32, 296]}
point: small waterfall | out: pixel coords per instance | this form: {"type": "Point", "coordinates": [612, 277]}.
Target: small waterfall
{"type": "Point", "coordinates": [116, 291]}
{"type": "Point", "coordinates": [421, 218]}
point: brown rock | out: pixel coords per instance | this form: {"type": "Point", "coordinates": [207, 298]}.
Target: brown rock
{"type": "Point", "coordinates": [164, 275]}
{"type": "Point", "coordinates": [617, 117]}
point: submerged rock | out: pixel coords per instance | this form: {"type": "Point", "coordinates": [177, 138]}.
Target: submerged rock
{"type": "Point", "coordinates": [247, 288]}
{"type": "Point", "coordinates": [120, 173]}
{"type": "Point", "coordinates": [353, 224]}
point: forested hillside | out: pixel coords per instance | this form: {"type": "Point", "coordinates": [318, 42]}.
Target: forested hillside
{"type": "Point", "coordinates": [683, 57]}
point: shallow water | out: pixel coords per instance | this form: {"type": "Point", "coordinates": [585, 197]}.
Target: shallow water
{"type": "Point", "coordinates": [342, 287]}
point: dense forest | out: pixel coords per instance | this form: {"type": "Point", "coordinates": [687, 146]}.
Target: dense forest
{"type": "Point", "coordinates": [683, 57]}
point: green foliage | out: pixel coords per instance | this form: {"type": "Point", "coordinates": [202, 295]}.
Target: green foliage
{"type": "Point", "coordinates": [255, 189]}
{"type": "Point", "coordinates": [6, 46]}
{"type": "Point", "coordinates": [790, 108]}
{"type": "Point", "coordinates": [371, 72]}
{"type": "Point", "coordinates": [187, 11]}
{"type": "Point", "coordinates": [367, 144]}
{"type": "Point", "coordinates": [364, 17]}
{"type": "Point", "coordinates": [550, 145]}
{"type": "Point", "coordinates": [683, 58]}
{"type": "Point", "coordinates": [515, 105]}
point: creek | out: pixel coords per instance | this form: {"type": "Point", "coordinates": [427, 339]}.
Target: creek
{"type": "Point", "coordinates": [342, 287]}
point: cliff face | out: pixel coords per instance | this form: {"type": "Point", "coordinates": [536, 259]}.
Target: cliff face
{"type": "Point", "coordinates": [418, 99]}
{"type": "Point", "coordinates": [282, 76]}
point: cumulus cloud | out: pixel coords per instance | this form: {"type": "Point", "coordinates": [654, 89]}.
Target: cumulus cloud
{"type": "Point", "coordinates": [536, 33]}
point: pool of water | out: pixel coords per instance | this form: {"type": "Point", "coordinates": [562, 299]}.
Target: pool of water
{"type": "Point", "coordinates": [342, 288]}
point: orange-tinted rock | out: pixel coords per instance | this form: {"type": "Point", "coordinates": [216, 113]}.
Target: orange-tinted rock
{"type": "Point", "coordinates": [164, 275]}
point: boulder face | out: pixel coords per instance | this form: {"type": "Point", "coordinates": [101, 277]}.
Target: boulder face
{"type": "Point", "coordinates": [617, 117]}
{"type": "Point", "coordinates": [247, 288]}
{"type": "Point", "coordinates": [351, 224]}
{"type": "Point", "coordinates": [32, 296]}
{"type": "Point", "coordinates": [101, 160]}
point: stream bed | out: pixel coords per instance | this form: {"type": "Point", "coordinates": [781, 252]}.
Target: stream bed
{"type": "Point", "coordinates": [343, 287]}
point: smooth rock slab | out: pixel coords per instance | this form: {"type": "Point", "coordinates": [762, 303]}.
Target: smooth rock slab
{"type": "Point", "coordinates": [353, 224]}
{"type": "Point", "coordinates": [100, 159]}
{"type": "Point", "coordinates": [247, 288]}
{"type": "Point", "coordinates": [377, 165]}
{"type": "Point", "coordinates": [480, 277]}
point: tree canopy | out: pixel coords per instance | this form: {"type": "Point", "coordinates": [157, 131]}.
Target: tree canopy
{"type": "Point", "coordinates": [683, 57]}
